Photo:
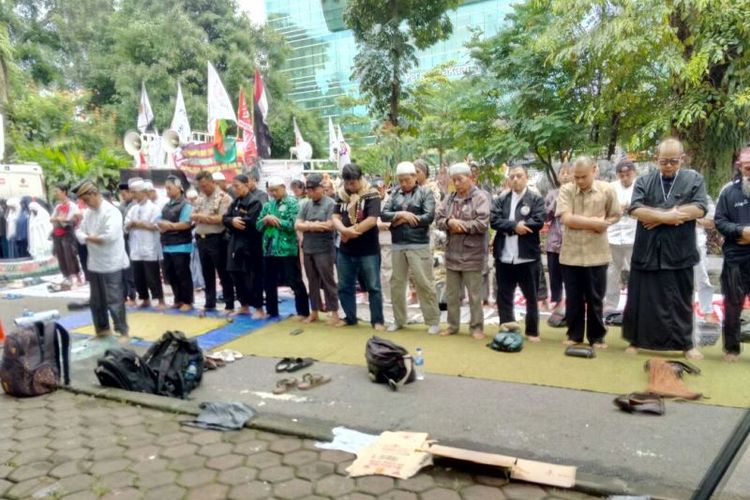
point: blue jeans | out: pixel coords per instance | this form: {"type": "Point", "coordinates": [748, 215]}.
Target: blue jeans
{"type": "Point", "coordinates": [349, 268]}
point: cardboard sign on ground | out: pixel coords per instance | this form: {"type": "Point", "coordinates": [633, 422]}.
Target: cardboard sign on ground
{"type": "Point", "coordinates": [394, 454]}
{"type": "Point", "coordinates": [562, 476]}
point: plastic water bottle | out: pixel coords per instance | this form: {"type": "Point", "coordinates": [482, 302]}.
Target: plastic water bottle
{"type": "Point", "coordinates": [27, 313]}
{"type": "Point", "coordinates": [419, 364]}
{"type": "Point", "coordinates": [191, 372]}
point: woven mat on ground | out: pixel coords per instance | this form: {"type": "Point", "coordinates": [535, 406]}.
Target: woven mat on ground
{"type": "Point", "coordinates": [152, 325]}
{"type": "Point", "coordinates": [612, 371]}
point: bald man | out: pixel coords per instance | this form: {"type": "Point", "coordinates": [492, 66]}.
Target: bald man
{"type": "Point", "coordinates": [659, 312]}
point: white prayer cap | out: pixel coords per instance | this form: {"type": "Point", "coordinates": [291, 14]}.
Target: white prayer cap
{"type": "Point", "coordinates": [137, 185]}
{"type": "Point", "coordinates": [406, 168]}
{"type": "Point", "coordinates": [133, 180]}
{"type": "Point", "coordinates": [191, 193]}
{"type": "Point", "coordinates": [459, 169]}
{"type": "Point", "coordinates": [148, 186]}
{"type": "Point", "coordinates": [218, 176]}
{"type": "Point", "coordinates": [275, 181]}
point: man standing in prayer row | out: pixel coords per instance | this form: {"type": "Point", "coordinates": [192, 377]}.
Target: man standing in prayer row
{"type": "Point", "coordinates": [245, 256]}
{"type": "Point", "coordinates": [410, 211]}
{"type": "Point", "coordinates": [280, 249]}
{"type": "Point", "coordinates": [620, 234]}
{"type": "Point", "coordinates": [733, 222]}
{"type": "Point", "coordinates": [143, 235]}
{"type": "Point", "coordinates": [177, 241]}
{"type": "Point", "coordinates": [465, 216]}
{"type": "Point", "coordinates": [208, 214]}
{"type": "Point", "coordinates": [101, 231]}
{"type": "Point", "coordinates": [518, 216]}
{"type": "Point", "coordinates": [314, 221]}
{"type": "Point", "coordinates": [586, 207]}
{"type": "Point", "coordinates": [63, 219]}
{"type": "Point", "coordinates": [659, 311]}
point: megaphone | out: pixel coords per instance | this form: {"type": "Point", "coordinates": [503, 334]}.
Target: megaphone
{"type": "Point", "coordinates": [170, 140]}
{"type": "Point", "coordinates": [133, 142]}
{"type": "Point", "coordinates": [302, 152]}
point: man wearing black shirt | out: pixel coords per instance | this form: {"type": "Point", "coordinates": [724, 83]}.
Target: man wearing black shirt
{"type": "Point", "coordinates": [355, 218]}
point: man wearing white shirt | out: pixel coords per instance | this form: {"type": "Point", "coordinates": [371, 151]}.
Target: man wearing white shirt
{"type": "Point", "coordinates": [621, 235]}
{"type": "Point", "coordinates": [101, 231]}
{"type": "Point", "coordinates": [518, 216]}
{"type": "Point", "coordinates": [700, 273]}
{"type": "Point", "coordinates": [143, 236]}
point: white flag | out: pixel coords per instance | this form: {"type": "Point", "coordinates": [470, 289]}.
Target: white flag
{"type": "Point", "coordinates": [145, 114]}
{"type": "Point", "coordinates": [333, 143]}
{"type": "Point", "coordinates": [344, 153]}
{"type": "Point", "coordinates": [180, 122]}
{"type": "Point", "coordinates": [219, 105]}
{"type": "Point", "coordinates": [2, 138]}
{"type": "Point", "coordinates": [298, 140]}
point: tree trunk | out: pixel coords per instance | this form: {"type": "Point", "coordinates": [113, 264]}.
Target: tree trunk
{"type": "Point", "coordinates": [614, 132]}
{"type": "Point", "coordinates": [395, 75]}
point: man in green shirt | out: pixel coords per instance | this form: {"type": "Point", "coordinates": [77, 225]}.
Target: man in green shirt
{"type": "Point", "coordinates": [280, 249]}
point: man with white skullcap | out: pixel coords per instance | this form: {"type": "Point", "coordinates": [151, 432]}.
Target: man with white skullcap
{"type": "Point", "coordinates": [465, 216]}
{"type": "Point", "coordinates": [410, 211]}
{"type": "Point", "coordinates": [281, 249]}
{"type": "Point", "coordinates": [143, 236]}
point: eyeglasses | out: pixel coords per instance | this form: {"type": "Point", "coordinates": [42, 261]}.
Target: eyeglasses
{"type": "Point", "coordinates": [669, 161]}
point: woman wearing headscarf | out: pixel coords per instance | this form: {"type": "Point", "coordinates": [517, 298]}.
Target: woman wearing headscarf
{"type": "Point", "coordinates": [11, 217]}
{"type": "Point", "coordinates": [40, 230]}
{"type": "Point", "coordinates": [22, 229]}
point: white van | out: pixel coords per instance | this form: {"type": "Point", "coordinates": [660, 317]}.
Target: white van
{"type": "Point", "coordinates": [21, 179]}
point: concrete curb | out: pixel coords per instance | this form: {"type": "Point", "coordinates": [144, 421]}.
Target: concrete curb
{"type": "Point", "coordinates": [319, 431]}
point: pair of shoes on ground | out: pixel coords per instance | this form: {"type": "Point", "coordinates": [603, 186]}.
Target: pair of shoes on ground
{"type": "Point", "coordinates": [432, 330]}
{"type": "Point", "coordinates": [293, 364]}
{"type": "Point", "coordinates": [309, 381]}
{"type": "Point", "coordinates": [225, 355]}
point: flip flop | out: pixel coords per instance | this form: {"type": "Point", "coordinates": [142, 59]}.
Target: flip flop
{"type": "Point", "coordinates": [285, 384]}
{"type": "Point", "coordinates": [310, 380]}
{"type": "Point", "coordinates": [283, 365]}
{"type": "Point", "coordinates": [297, 364]}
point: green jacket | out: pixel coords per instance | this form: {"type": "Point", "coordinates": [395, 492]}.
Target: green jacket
{"type": "Point", "coordinates": [279, 241]}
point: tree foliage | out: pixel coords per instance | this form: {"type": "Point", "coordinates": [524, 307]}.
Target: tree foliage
{"type": "Point", "coordinates": [388, 34]}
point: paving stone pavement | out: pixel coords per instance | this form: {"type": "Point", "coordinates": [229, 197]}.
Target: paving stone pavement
{"type": "Point", "coordinates": [71, 446]}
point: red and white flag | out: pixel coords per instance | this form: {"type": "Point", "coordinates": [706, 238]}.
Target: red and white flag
{"type": "Point", "coordinates": [260, 107]}
{"type": "Point", "coordinates": [245, 124]}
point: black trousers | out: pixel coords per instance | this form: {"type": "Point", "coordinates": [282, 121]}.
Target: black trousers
{"type": "Point", "coordinates": [284, 270]}
{"type": "Point", "coordinates": [524, 276]}
{"type": "Point", "coordinates": [735, 286]}
{"type": "Point", "coordinates": [584, 307]}
{"type": "Point", "coordinates": [247, 277]}
{"type": "Point", "coordinates": [148, 279]}
{"type": "Point", "coordinates": [540, 281]}
{"type": "Point", "coordinates": [555, 277]}
{"type": "Point", "coordinates": [212, 251]}
{"type": "Point", "coordinates": [179, 277]}
{"type": "Point", "coordinates": [128, 279]}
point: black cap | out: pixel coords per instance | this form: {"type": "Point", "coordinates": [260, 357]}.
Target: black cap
{"type": "Point", "coordinates": [123, 186]}
{"type": "Point", "coordinates": [313, 180]}
{"type": "Point", "coordinates": [624, 165]}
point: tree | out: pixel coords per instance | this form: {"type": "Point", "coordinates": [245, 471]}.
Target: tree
{"type": "Point", "coordinates": [388, 34]}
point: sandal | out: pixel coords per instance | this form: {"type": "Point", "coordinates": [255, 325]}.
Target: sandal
{"type": "Point", "coordinates": [285, 384]}
{"type": "Point", "coordinates": [637, 402]}
{"type": "Point", "coordinates": [297, 364]}
{"type": "Point", "coordinates": [283, 365]}
{"type": "Point", "coordinates": [310, 380]}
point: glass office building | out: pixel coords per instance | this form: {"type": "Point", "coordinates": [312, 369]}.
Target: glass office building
{"type": "Point", "coordinates": [319, 66]}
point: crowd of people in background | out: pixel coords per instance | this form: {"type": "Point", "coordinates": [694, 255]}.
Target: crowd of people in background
{"type": "Point", "coordinates": [421, 240]}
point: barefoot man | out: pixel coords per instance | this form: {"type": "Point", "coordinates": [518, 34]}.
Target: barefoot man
{"type": "Point", "coordinates": [314, 221]}
{"type": "Point", "coordinates": [659, 312]}
{"type": "Point", "coordinates": [733, 221]}
{"type": "Point", "coordinates": [586, 207]}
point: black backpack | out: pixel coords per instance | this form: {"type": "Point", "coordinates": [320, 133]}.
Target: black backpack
{"type": "Point", "coordinates": [34, 359]}
{"type": "Point", "coordinates": [388, 363]}
{"type": "Point", "coordinates": [123, 369]}
{"type": "Point", "coordinates": [177, 362]}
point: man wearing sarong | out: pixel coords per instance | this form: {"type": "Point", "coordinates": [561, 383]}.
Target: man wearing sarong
{"type": "Point", "coordinates": [659, 311]}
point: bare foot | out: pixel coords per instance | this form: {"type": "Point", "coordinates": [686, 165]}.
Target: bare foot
{"type": "Point", "coordinates": [631, 350]}
{"type": "Point", "coordinates": [297, 317]}
{"type": "Point", "coordinates": [478, 335]}
{"type": "Point", "coordinates": [243, 311]}
{"type": "Point", "coordinates": [378, 327]}
{"type": "Point", "coordinates": [186, 307]}
{"type": "Point", "coordinates": [446, 333]}
{"type": "Point", "coordinates": [160, 306]}
{"type": "Point", "coordinates": [533, 338]}
{"type": "Point", "coordinates": [338, 323]}
{"type": "Point", "coordinates": [130, 303]}
{"type": "Point", "coordinates": [145, 304]}
{"type": "Point", "coordinates": [176, 305]}
{"type": "Point", "coordinates": [731, 358]}
{"type": "Point", "coordinates": [600, 345]}
{"type": "Point", "coordinates": [693, 354]}
{"type": "Point", "coordinates": [259, 314]}
{"type": "Point", "coordinates": [568, 342]}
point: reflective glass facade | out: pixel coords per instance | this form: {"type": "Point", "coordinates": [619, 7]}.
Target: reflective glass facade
{"type": "Point", "coordinates": [319, 66]}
